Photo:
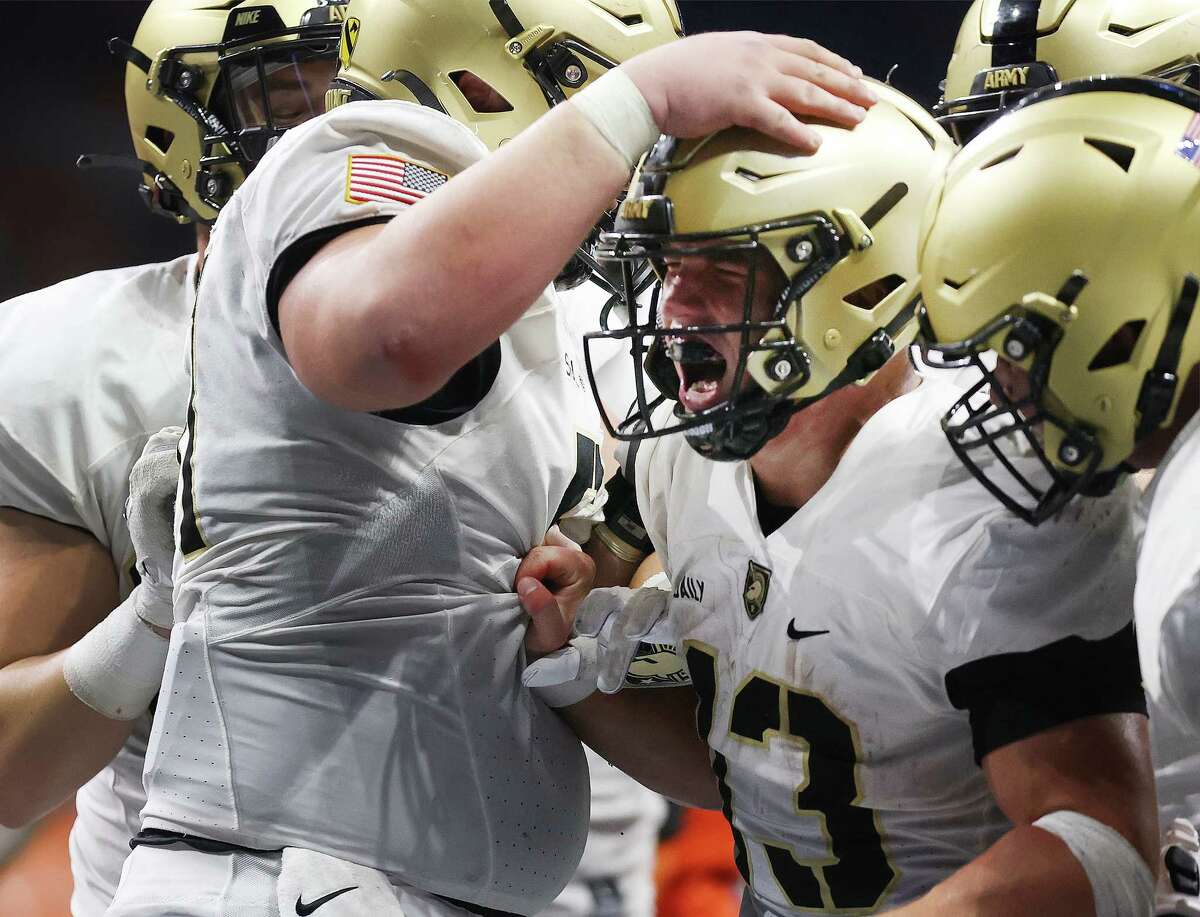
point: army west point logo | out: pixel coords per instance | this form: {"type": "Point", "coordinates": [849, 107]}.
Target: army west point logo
{"type": "Point", "coordinates": [754, 594]}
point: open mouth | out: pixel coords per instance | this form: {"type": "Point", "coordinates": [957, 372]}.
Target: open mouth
{"type": "Point", "coordinates": [700, 367]}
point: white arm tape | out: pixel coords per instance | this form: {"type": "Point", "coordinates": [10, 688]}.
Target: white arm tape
{"type": "Point", "coordinates": [566, 676]}
{"type": "Point", "coordinates": [1122, 884]}
{"type": "Point", "coordinates": [117, 667]}
{"type": "Point", "coordinates": [618, 110]}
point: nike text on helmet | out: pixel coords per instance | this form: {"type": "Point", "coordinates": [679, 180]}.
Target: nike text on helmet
{"type": "Point", "coordinates": [842, 227]}
{"type": "Point", "coordinates": [1065, 242]}
{"type": "Point", "coordinates": [209, 87]}
{"type": "Point", "coordinates": [1008, 48]}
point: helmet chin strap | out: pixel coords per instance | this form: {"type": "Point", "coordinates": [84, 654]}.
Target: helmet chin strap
{"type": "Point", "coordinates": [737, 438]}
{"type": "Point", "coordinates": [1162, 381]}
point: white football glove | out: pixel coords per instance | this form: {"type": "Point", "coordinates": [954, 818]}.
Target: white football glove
{"type": "Point", "coordinates": [611, 625]}
{"type": "Point", "coordinates": [150, 513]}
{"type": "Point", "coordinates": [1178, 890]}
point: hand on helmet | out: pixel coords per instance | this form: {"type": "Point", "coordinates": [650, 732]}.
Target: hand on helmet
{"type": "Point", "coordinates": [150, 512]}
{"type": "Point", "coordinates": [713, 81]}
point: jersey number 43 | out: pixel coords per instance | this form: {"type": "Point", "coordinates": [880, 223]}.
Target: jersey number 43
{"type": "Point", "coordinates": [858, 874]}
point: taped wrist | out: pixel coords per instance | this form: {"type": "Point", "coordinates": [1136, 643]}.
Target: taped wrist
{"type": "Point", "coordinates": [1121, 881]}
{"type": "Point", "coordinates": [618, 110]}
{"type": "Point", "coordinates": [623, 532]}
{"type": "Point", "coordinates": [116, 667]}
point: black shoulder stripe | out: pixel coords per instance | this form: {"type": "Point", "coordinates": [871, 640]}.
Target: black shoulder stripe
{"type": "Point", "coordinates": [1014, 33]}
{"type": "Point", "coordinates": [1012, 696]}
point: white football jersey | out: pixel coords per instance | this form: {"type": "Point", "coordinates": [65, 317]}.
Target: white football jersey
{"type": "Point", "coordinates": [833, 658]}
{"type": "Point", "coordinates": [345, 669]}
{"type": "Point", "coordinates": [93, 367]}
{"type": "Point", "coordinates": [1167, 605]}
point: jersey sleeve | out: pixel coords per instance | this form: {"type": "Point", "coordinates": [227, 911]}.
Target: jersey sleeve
{"type": "Point", "coordinates": [1033, 626]}
{"type": "Point", "coordinates": [362, 163]}
{"type": "Point", "coordinates": [637, 507]}
{"type": "Point", "coordinates": [582, 507]}
{"type": "Point", "coordinates": [28, 484]}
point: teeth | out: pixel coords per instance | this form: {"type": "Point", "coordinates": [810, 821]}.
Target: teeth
{"type": "Point", "coordinates": [704, 386]}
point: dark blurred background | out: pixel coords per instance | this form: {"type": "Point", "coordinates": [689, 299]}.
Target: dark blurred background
{"type": "Point", "coordinates": [65, 97]}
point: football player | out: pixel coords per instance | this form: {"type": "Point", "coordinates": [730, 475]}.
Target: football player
{"type": "Point", "coordinates": [100, 365]}
{"type": "Point", "coordinates": [1008, 48]}
{"type": "Point", "coordinates": [896, 684]}
{"type": "Point", "coordinates": [1084, 285]}
{"type": "Point", "coordinates": [380, 427]}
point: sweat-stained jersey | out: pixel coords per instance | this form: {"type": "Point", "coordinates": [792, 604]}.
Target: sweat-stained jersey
{"type": "Point", "coordinates": [853, 664]}
{"type": "Point", "coordinates": [344, 672]}
{"type": "Point", "coordinates": [92, 368]}
{"type": "Point", "coordinates": [1167, 607]}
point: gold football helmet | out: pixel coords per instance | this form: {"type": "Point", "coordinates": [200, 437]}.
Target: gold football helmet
{"type": "Point", "coordinates": [1065, 242]}
{"type": "Point", "coordinates": [840, 224]}
{"type": "Point", "coordinates": [531, 53]}
{"type": "Point", "coordinates": [1008, 48]}
{"type": "Point", "coordinates": [210, 86]}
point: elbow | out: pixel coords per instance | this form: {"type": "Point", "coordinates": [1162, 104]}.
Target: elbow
{"type": "Point", "coordinates": [367, 372]}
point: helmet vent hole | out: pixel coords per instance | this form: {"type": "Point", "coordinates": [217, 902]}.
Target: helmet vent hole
{"type": "Point", "coordinates": [1119, 348]}
{"type": "Point", "coordinates": [954, 284]}
{"type": "Point", "coordinates": [159, 138]}
{"type": "Point", "coordinates": [747, 174]}
{"type": "Point", "coordinates": [875, 292]}
{"type": "Point", "coordinates": [1126, 31]}
{"type": "Point", "coordinates": [1003, 157]}
{"type": "Point", "coordinates": [1119, 153]}
{"type": "Point", "coordinates": [620, 11]}
{"type": "Point", "coordinates": [483, 98]}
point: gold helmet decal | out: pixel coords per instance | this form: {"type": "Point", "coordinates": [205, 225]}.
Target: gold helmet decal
{"type": "Point", "coordinates": [349, 39]}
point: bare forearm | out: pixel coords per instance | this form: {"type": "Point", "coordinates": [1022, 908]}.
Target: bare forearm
{"type": "Point", "coordinates": [650, 734]}
{"type": "Point", "coordinates": [1028, 871]}
{"type": "Point", "coordinates": [51, 743]}
{"type": "Point", "coordinates": [438, 285]}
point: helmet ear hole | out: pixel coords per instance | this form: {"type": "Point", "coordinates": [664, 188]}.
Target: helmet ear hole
{"type": "Point", "coordinates": [480, 94]}
{"type": "Point", "coordinates": [869, 296]}
{"type": "Point", "coordinates": [1119, 347]}
{"type": "Point", "coordinates": [160, 138]}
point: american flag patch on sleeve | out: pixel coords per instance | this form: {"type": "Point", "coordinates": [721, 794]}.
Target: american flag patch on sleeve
{"type": "Point", "coordinates": [1189, 143]}
{"type": "Point", "coordinates": [374, 178]}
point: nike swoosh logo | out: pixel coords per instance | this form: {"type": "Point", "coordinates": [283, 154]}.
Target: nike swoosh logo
{"type": "Point", "coordinates": [801, 634]}
{"type": "Point", "coordinates": [305, 909]}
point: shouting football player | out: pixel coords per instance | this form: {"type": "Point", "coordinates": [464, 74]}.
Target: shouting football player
{"type": "Point", "coordinates": [896, 684]}
{"type": "Point", "coordinates": [380, 428]}
{"type": "Point", "coordinates": [99, 362]}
